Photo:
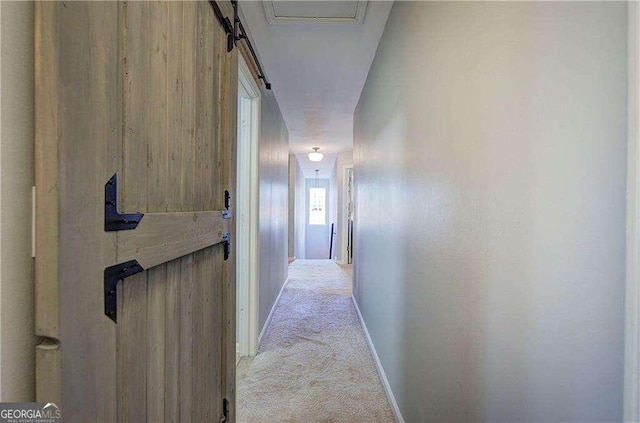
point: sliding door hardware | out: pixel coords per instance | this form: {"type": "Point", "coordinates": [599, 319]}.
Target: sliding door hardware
{"type": "Point", "coordinates": [227, 245]}
{"type": "Point", "coordinates": [225, 411]}
{"type": "Point", "coordinates": [235, 32]}
{"type": "Point", "coordinates": [226, 25]}
{"type": "Point", "coordinates": [226, 213]}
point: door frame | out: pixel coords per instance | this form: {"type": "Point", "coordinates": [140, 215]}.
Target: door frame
{"type": "Point", "coordinates": [343, 257]}
{"type": "Point", "coordinates": [632, 295]}
{"type": "Point", "coordinates": [247, 263]}
{"type": "Point", "coordinates": [317, 234]}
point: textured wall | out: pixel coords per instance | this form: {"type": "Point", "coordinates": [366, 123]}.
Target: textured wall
{"type": "Point", "coordinates": [273, 218]}
{"type": "Point", "coordinates": [293, 169]}
{"type": "Point", "coordinates": [300, 210]}
{"type": "Point", "coordinates": [490, 168]}
{"type": "Point", "coordinates": [17, 339]}
{"type": "Point", "coordinates": [297, 209]}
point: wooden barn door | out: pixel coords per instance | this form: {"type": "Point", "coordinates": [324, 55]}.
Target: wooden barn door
{"type": "Point", "coordinates": [135, 270]}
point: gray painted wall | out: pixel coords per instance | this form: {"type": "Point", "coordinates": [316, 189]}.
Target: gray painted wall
{"type": "Point", "coordinates": [300, 208]}
{"type": "Point", "coordinates": [273, 215]}
{"type": "Point", "coordinates": [490, 168]}
{"type": "Point", "coordinates": [297, 209]}
{"type": "Point", "coordinates": [17, 339]}
{"type": "Point", "coordinates": [292, 201]}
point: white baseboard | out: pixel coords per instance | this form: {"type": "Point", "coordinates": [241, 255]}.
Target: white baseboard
{"type": "Point", "coordinates": [270, 316]}
{"type": "Point", "coordinates": [383, 377]}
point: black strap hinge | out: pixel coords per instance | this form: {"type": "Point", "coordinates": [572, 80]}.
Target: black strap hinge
{"type": "Point", "coordinates": [226, 238]}
{"type": "Point", "coordinates": [113, 219]}
{"type": "Point", "coordinates": [225, 411]}
{"type": "Point", "coordinates": [226, 213]}
{"type": "Point", "coordinates": [112, 275]}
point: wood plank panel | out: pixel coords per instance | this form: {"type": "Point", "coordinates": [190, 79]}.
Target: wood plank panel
{"type": "Point", "coordinates": [157, 185]}
{"type": "Point", "coordinates": [46, 147]}
{"type": "Point", "coordinates": [212, 318]}
{"type": "Point", "coordinates": [202, 192]}
{"type": "Point", "coordinates": [135, 61]}
{"type": "Point", "coordinates": [162, 237]}
{"type": "Point", "coordinates": [189, 43]}
{"type": "Point", "coordinates": [49, 372]}
{"type": "Point", "coordinates": [175, 140]}
{"type": "Point", "coordinates": [187, 281]}
{"type": "Point", "coordinates": [87, 121]}
{"type": "Point", "coordinates": [228, 124]}
{"type": "Point", "coordinates": [89, 114]}
{"type": "Point", "coordinates": [132, 348]}
{"type": "Point", "coordinates": [187, 298]}
{"type": "Point", "coordinates": [172, 346]}
{"type": "Point", "coordinates": [207, 71]}
{"type": "Point", "coordinates": [156, 320]}
{"type": "Point", "coordinates": [175, 83]}
{"type": "Point", "coordinates": [197, 354]}
{"type": "Point", "coordinates": [212, 287]}
{"type": "Point", "coordinates": [47, 319]}
{"type": "Point", "coordinates": [132, 292]}
{"type": "Point", "coordinates": [156, 161]}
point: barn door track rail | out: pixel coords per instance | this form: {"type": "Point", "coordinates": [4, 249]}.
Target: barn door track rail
{"type": "Point", "coordinates": [236, 32]}
{"type": "Point", "coordinates": [158, 238]}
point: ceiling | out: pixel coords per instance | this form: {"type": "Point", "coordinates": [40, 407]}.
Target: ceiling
{"type": "Point", "coordinates": [317, 69]}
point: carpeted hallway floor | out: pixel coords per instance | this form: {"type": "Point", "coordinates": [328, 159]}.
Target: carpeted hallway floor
{"type": "Point", "coordinates": [313, 364]}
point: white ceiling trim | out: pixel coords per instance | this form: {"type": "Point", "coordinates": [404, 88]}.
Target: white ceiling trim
{"type": "Point", "coordinates": [272, 18]}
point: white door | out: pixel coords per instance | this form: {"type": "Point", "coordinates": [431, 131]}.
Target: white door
{"type": "Point", "coordinates": [318, 232]}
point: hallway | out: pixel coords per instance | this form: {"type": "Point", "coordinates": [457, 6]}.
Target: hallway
{"type": "Point", "coordinates": [313, 363]}
{"type": "Point", "coordinates": [184, 186]}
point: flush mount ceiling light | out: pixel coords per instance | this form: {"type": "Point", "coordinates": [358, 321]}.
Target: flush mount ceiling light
{"type": "Point", "coordinates": [315, 156]}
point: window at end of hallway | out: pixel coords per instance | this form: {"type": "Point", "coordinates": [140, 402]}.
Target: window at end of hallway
{"type": "Point", "coordinates": [317, 199]}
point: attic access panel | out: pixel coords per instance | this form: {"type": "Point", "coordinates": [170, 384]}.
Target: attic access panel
{"type": "Point", "coordinates": [350, 12]}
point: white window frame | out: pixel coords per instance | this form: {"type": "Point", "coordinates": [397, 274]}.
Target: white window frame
{"type": "Point", "coordinates": [324, 221]}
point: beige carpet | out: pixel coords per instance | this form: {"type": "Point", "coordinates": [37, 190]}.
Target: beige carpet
{"type": "Point", "coordinates": [314, 364]}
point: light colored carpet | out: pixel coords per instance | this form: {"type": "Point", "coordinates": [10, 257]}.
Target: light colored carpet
{"type": "Point", "coordinates": [314, 364]}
